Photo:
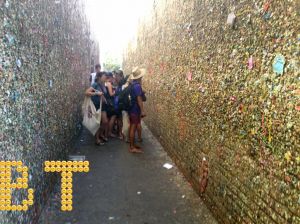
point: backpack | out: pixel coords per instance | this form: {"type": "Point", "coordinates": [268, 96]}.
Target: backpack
{"type": "Point", "coordinates": [125, 100]}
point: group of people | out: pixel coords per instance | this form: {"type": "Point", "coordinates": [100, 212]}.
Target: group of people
{"type": "Point", "coordinates": [121, 101]}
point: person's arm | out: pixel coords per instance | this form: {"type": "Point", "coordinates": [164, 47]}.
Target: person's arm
{"type": "Point", "coordinates": [110, 89]}
{"type": "Point", "coordinates": [139, 92]}
{"type": "Point", "coordinates": [92, 92]}
{"type": "Point", "coordinates": [141, 105]}
{"type": "Point", "coordinates": [124, 86]}
{"type": "Point", "coordinates": [144, 97]}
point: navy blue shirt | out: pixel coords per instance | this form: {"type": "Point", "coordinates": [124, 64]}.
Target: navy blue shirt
{"type": "Point", "coordinates": [135, 92]}
{"type": "Point", "coordinates": [96, 99]}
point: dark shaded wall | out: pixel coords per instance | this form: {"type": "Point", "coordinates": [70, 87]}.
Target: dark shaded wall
{"type": "Point", "coordinates": [45, 59]}
{"type": "Point", "coordinates": [207, 99]}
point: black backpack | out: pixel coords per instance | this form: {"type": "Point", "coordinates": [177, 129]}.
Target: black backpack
{"type": "Point", "coordinates": [125, 100]}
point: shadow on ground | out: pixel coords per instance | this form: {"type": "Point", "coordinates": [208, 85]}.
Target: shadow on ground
{"type": "Point", "coordinates": [127, 189]}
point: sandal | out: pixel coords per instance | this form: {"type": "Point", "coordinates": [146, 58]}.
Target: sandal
{"type": "Point", "coordinates": [99, 142]}
{"type": "Point", "coordinates": [104, 139]}
{"type": "Point", "coordinates": [112, 136]}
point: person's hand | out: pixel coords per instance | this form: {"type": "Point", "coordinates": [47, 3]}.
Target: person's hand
{"type": "Point", "coordinates": [90, 92]}
{"type": "Point", "coordinates": [99, 93]}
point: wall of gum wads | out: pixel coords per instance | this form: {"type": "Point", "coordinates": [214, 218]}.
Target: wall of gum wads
{"type": "Point", "coordinates": [223, 84]}
{"type": "Point", "coordinates": [44, 61]}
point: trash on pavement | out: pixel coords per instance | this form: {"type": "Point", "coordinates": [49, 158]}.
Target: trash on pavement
{"type": "Point", "coordinates": [168, 166]}
{"type": "Point", "coordinates": [76, 157]}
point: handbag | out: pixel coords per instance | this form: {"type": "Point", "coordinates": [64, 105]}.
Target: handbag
{"type": "Point", "coordinates": [91, 117]}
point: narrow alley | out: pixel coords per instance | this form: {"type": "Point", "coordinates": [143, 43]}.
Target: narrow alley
{"type": "Point", "coordinates": [215, 83]}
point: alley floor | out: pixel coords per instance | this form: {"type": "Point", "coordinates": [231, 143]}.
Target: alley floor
{"type": "Point", "coordinates": [127, 188]}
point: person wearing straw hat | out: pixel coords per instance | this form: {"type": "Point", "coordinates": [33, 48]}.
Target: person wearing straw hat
{"type": "Point", "coordinates": [137, 110]}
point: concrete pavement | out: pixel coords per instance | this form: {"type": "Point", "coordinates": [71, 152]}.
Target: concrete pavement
{"type": "Point", "coordinates": [126, 188]}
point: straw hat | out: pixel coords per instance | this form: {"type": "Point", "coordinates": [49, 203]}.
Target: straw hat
{"type": "Point", "coordinates": [137, 73]}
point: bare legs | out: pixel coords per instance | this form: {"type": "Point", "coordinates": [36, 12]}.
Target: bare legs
{"type": "Point", "coordinates": [98, 138]}
{"type": "Point", "coordinates": [125, 127]}
{"type": "Point", "coordinates": [139, 131]}
{"type": "Point", "coordinates": [120, 124]}
{"type": "Point", "coordinates": [132, 147]}
{"type": "Point", "coordinates": [111, 125]}
{"type": "Point", "coordinates": [104, 126]}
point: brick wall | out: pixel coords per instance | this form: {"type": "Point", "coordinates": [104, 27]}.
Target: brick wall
{"type": "Point", "coordinates": [212, 92]}
{"type": "Point", "coordinates": [44, 67]}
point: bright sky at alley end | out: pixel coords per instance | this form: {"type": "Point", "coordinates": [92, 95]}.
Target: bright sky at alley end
{"type": "Point", "coordinates": [114, 23]}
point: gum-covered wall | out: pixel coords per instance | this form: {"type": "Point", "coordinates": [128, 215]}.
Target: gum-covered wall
{"type": "Point", "coordinates": [223, 84]}
{"type": "Point", "coordinates": [45, 59]}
